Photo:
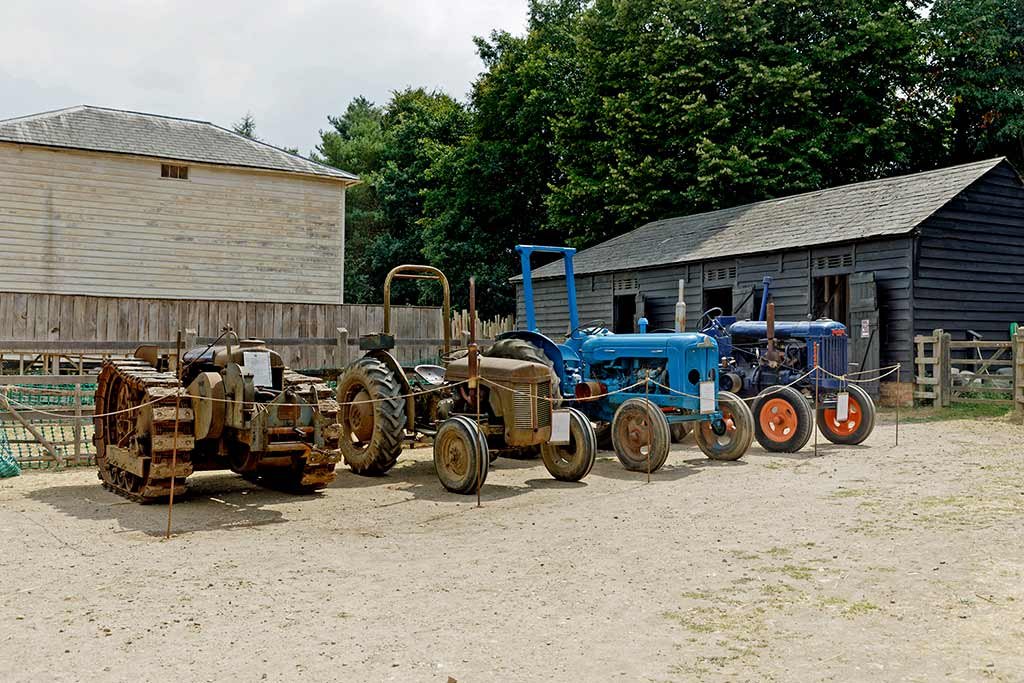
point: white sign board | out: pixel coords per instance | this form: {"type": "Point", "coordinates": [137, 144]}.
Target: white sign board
{"type": "Point", "coordinates": [258, 362]}
{"type": "Point", "coordinates": [842, 406]}
{"type": "Point", "coordinates": [707, 397]}
{"type": "Point", "coordinates": [865, 328]}
{"type": "Point", "coordinates": [559, 428]}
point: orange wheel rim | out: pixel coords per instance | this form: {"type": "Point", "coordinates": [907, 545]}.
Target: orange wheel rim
{"type": "Point", "coordinates": [848, 426]}
{"type": "Point", "coordinates": [778, 420]}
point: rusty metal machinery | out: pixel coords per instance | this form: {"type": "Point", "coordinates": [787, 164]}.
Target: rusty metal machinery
{"type": "Point", "coordinates": [235, 407]}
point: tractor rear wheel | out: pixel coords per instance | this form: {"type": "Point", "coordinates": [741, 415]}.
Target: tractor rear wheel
{"type": "Point", "coordinates": [461, 459]}
{"type": "Point", "coordinates": [783, 421]}
{"type": "Point", "coordinates": [856, 427]}
{"type": "Point", "coordinates": [520, 349]}
{"type": "Point", "coordinates": [372, 417]}
{"type": "Point", "coordinates": [574, 460]}
{"type": "Point", "coordinates": [739, 430]}
{"type": "Point", "coordinates": [640, 435]}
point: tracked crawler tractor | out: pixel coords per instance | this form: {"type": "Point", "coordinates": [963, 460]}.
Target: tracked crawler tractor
{"type": "Point", "coordinates": [235, 407]}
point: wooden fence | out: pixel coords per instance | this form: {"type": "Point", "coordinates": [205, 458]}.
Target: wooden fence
{"type": "Point", "coordinates": [55, 328]}
{"type": "Point", "coordinates": [948, 372]}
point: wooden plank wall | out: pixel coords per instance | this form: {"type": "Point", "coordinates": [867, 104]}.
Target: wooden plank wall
{"type": "Point", "coordinates": [76, 222]}
{"type": "Point", "coordinates": [58, 317]}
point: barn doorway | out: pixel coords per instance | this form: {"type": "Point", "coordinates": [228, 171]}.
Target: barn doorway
{"type": "Point", "coordinates": [718, 298]}
{"type": "Point", "coordinates": [623, 313]}
{"type": "Point", "coordinates": [832, 298]}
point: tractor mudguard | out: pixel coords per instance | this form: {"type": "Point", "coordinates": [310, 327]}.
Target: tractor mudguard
{"type": "Point", "coordinates": [393, 365]}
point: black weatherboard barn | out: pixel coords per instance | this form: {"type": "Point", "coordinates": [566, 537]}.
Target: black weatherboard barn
{"type": "Point", "coordinates": [889, 258]}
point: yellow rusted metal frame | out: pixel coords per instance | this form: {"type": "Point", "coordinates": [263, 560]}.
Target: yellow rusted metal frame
{"type": "Point", "coordinates": [417, 272]}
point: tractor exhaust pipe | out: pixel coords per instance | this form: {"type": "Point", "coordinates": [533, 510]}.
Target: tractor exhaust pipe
{"type": "Point", "coordinates": [681, 308]}
{"type": "Point", "coordinates": [770, 332]}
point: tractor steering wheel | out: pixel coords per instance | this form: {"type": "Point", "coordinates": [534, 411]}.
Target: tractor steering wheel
{"type": "Point", "coordinates": [589, 327]}
{"type": "Point", "coordinates": [711, 316]}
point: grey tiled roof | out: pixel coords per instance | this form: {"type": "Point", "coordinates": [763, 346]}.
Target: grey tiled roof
{"type": "Point", "coordinates": [126, 132]}
{"type": "Point", "coordinates": [876, 208]}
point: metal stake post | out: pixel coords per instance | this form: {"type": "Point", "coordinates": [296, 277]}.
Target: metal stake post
{"type": "Point", "coordinates": [899, 399]}
{"type": "Point", "coordinates": [174, 441]}
{"type": "Point", "coordinates": [474, 378]}
{"type": "Point", "coordinates": [650, 431]}
{"type": "Point", "coordinates": [817, 375]}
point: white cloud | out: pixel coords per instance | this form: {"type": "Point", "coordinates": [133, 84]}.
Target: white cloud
{"type": "Point", "coordinates": [291, 63]}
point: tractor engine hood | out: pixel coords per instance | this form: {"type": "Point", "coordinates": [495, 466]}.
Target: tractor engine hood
{"type": "Point", "coordinates": [607, 347]}
{"type": "Point", "coordinates": [758, 329]}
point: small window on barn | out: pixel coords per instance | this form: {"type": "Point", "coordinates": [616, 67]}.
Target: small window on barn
{"type": "Point", "coordinates": [174, 171]}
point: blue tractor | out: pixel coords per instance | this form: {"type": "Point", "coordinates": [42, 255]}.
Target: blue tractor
{"type": "Point", "coordinates": [642, 385]}
{"type": "Point", "coordinates": [769, 361]}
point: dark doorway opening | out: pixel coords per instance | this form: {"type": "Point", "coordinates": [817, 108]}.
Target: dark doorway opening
{"type": "Point", "coordinates": [832, 298]}
{"type": "Point", "coordinates": [718, 298]}
{"type": "Point", "coordinates": [624, 313]}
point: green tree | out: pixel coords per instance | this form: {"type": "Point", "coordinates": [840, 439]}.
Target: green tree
{"type": "Point", "coordinates": [246, 126]}
{"type": "Point", "coordinates": [978, 60]}
{"type": "Point", "coordinates": [391, 148]}
{"type": "Point", "coordinates": [689, 105]}
{"type": "Point", "coordinates": [488, 193]}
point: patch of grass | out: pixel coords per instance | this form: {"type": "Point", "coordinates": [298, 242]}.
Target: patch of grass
{"type": "Point", "coordinates": [698, 595]}
{"type": "Point", "coordinates": [795, 571]}
{"type": "Point", "coordinates": [693, 620]}
{"type": "Point", "coordinates": [850, 493]}
{"type": "Point", "coordinates": [959, 411]}
{"type": "Point", "coordinates": [743, 555]}
{"type": "Point", "coordinates": [777, 551]}
{"type": "Point", "coordinates": [777, 589]}
{"type": "Point", "coordinates": [848, 608]}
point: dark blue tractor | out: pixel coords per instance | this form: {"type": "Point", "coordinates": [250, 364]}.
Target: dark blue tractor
{"type": "Point", "coordinates": [642, 385]}
{"type": "Point", "coordinates": [773, 363]}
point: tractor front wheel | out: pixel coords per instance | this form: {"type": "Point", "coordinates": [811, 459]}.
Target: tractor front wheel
{"type": "Point", "coordinates": [640, 435]}
{"type": "Point", "coordinates": [858, 423]}
{"type": "Point", "coordinates": [461, 457]}
{"type": "Point", "coordinates": [783, 419]}
{"type": "Point", "coordinates": [739, 430]}
{"type": "Point", "coordinates": [572, 461]}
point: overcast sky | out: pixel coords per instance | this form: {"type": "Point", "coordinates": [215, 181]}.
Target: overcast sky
{"type": "Point", "coordinates": [291, 63]}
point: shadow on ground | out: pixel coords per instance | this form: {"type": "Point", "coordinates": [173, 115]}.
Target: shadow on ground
{"type": "Point", "coordinates": [213, 502]}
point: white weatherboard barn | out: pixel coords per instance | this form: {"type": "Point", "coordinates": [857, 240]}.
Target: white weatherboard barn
{"type": "Point", "coordinates": [104, 202]}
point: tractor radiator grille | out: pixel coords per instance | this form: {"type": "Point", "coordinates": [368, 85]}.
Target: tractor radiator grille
{"type": "Point", "coordinates": [543, 405]}
{"type": "Point", "coordinates": [833, 355]}
{"type": "Point", "coordinates": [523, 404]}
{"type": "Point", "coordinates": [526, 397]}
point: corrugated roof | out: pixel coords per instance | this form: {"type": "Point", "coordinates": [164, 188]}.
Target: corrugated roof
{"type": "Point", "coordinates": [127, 132]}
{"type": "Point", "coordinates": [891, 206]}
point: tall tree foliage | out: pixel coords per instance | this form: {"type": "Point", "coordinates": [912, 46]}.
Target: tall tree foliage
{"type": "Point", "coordinates": [608, 113]}
{"type": "Point", "coordinates": [978, 67]}
{"type": "Point", "coordinates": [687, 105]}
{"type": "Point", "coordinates": [488, 193]}
{"type": "Point", "coordinates": [392, 149]}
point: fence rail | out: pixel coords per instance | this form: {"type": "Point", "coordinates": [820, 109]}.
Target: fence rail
{"type": "Point", "coordinates": [948, 372]}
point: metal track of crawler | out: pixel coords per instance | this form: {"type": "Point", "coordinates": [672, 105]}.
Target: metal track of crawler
{"type": "Point", "coordinates": [134, 384]}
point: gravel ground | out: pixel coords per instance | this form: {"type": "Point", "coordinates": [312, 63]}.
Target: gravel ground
{"type": "Point", "coordinates": [880, 562]}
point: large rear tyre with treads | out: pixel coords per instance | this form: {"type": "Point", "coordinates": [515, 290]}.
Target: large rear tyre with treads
{"type": "Point", "coordinates": [520, 349]}
{"type": "Point", "coordinates": [461, 458]}
{"type": "Point", "coordinates": [371, 416]}
{"type": "Point", "coordinates": [739, 430]}
{"type": "Point", "coordinates": [783, 419]}
{"type": "Point", "coordinates": [572, 461]}
{"type": "Point", "coordinates": [640, 435]}
{"type": "Point", "coordinates": [859, 423]}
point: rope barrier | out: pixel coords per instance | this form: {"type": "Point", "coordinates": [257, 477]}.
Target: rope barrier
{"type": "Point", "coordinates": [60, 416]}
{"type": "Point", "coordinates": [226, 400]}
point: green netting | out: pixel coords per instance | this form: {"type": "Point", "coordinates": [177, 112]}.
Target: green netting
{"type": "Point", "coordinates": [8, 464]}
{"type": "Point", "coordinates": [46, 395]}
